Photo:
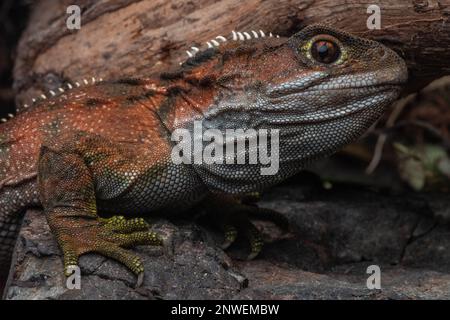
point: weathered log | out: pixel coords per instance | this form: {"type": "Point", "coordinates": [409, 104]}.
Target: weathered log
{"type": "Point", "coordinates": [138, 37]}
{"type": "Point", "coordinates": [337, 236]}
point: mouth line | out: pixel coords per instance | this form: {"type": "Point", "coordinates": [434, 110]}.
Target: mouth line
{"type": "Point", "coordinates": [372, 88]}
{"type": "Point", "coordinates": [323, 116]}
{"type": "Point", "coordinates": [366, 88]}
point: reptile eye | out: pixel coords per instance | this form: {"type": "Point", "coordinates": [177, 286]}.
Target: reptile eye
{"type": "Point", "coordinates": [325, 51]}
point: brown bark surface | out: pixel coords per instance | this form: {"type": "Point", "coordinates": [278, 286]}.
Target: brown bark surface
{"type": "Point", "coordinates": [138, 37]}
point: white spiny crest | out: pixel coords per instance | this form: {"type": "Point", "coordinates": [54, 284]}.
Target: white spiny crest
{"type": "Point", "coordinates": [61, 90]}
{"type": "Point", "coordinates": [234, 36]}
{"type": "Point", "coordinates": [52, 93]}
{"type": "Point", "coordinates": [10, 115]}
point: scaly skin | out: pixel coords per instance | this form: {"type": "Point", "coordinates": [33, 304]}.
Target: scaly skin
{"type": "Point", "coordinates": [107, 146]}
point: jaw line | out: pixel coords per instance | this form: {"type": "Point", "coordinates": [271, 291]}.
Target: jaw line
{"type": "Point", "coordinates": [386, 89]}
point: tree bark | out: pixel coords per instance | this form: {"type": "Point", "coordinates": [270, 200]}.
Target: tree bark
{"type": "Point", "coordinates": [136, 37]}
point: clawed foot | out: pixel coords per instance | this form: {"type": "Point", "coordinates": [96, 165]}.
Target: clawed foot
{"type": "Point", "coordinates": [249, 231]}
{"type": "Point", "coordinates": [233, 218]}
{"type": "Point", "coordinates": [108, 237]}
{"type": "Point", "coordinates": [244, 226]}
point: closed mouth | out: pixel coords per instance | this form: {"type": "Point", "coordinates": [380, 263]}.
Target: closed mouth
{"type": "Point", "coordinates": [374, 96]}
{"type": "Point", "coordinates": [367, 88]}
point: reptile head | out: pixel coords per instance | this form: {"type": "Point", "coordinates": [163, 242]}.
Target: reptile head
{"type": "Point", "coordinates": [322, 88]}
{"type": "Point", "coordinates": [326, 74]}
{"type": "Point", "coordinates": [327, 85]}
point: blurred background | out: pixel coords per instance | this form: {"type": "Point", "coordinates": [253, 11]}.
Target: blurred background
{"type": "Point", "coordinates": [13, 19]}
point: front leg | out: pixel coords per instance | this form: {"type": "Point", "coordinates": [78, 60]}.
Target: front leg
{"type": "Point", "coordinates": [67, 178]}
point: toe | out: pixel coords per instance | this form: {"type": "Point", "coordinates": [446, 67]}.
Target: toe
{"type": "Point", "coordinates": [132, 261]}
{"type": "Point", "coordinates": [122, 225]}
{"type": "Point", "coordinates": [230, 236]}
{"type": "Point", "coordinates": [269, 215]}
{"type": "Point", "coordinates": [137, 238]}
{"type": "Point", "coordinates": [255, 240]}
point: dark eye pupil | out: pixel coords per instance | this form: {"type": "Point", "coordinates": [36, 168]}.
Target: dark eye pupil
{"type": "Point", "coordinates": [325, 51]}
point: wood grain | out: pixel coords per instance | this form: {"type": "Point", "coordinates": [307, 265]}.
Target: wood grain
{"type": "Point", "coordinates": [137, 38]}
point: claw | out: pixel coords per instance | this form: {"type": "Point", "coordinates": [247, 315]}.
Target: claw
{"type": "Point", "coordinates": [252, 256]}
{"type": "Point", "coordinates": [68, 270]}
{"type": "Point", "coordinates": [140, 280]}
{"type": "Point", "coordinates": [226, 244]}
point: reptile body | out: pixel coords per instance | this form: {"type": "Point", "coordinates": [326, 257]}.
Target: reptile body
{"type": "Point", "coordinates": [107, 146]}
